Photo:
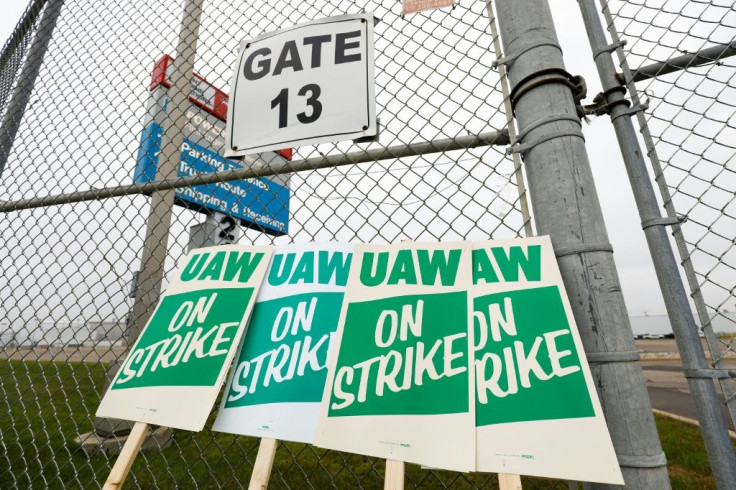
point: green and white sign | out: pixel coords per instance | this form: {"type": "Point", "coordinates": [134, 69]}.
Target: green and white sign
{"type": "Point", "coordinates": [537, 412]}
{"type": "Point", "coordinates": [173, 373]}
{"type": "Point", "coordinates": [399, 385]}
{"type": "Point", "coordinates": [278, 378]}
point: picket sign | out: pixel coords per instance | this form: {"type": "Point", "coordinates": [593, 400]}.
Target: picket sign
{"type": "Point", "coordinates": [127, 456]}
{"type": "Point", "coordinates": [263, 465]}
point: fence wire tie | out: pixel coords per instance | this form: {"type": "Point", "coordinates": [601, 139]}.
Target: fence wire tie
{"type": "Point", "coordinates": [633, 110]}
{"type": "Point", "coordinates": [710, 373]}
{"type": "Point", "coordinates": [521, 147]}
{"type": "Point", "coordinates": [610, 48]}
{"type": "Point", "coordinates": [545, 120]}
{"type": "Point", "coordinates": [642, 461]}
{"type": "Point", "coordinates": [606, 357]}
{"type": "Point", "coordinates": [524, 147]}
{"type": "Point", "coordinates": [583, 248]}
{"type": "Point", "coordinates": [507, 60]}
{"type": "Point", "coordinates": [666, 221]}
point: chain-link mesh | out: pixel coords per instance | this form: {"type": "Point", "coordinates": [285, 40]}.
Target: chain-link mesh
{"type": "Point", "coordinates": [679, 54]}
{"type": "Point", "coordinates": [67, 268]}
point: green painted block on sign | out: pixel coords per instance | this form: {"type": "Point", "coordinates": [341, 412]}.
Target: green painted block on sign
{"type": "Point", "coordinates": [527, 367]}
{"type": "Point", "coordinates": [403, 355]}
{"type": "Point", "coordinates": [284, 355]}
{"type": "Point", "coordinates": [187, 339]}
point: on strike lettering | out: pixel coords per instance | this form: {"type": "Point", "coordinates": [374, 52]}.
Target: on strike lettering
{"type": "Point", "coordinates": [400, 370]}
{"type": "Point", "coordinates": [197, 341]}
{"type": "Point", "coordinates": [516, 366]}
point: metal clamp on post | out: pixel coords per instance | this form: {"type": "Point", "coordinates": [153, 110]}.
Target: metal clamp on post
{"type": "Point", "coordinates": [667, 221]}
{"type": "Point", "coordinates": [601, 106]}
{"type": "Point", "coordinates": [544, 77]}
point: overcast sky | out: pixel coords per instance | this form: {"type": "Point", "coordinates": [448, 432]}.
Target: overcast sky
{"type": "Point", "coordinates": [638, 279]}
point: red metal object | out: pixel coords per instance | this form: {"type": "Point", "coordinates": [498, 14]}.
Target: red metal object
{"type": "Point", "coordinates": [218, 106]}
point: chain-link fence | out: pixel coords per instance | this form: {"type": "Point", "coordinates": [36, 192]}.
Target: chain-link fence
{"type": "Point", "coordinates": [86, 129]}
{"type": "Point", "coordinates": [84, 137]}
{"type": "Point", "coordinates": [678, 59]}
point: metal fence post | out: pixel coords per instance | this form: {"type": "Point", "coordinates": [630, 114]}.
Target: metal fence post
{"type": "Point", "coordinates": [567, 208]}
{"type": "Point", "coordinates": [699, 377]}
{"type": "Point", "coordinates": [155, 246]}
{"type": "Point", "coordinates": [27, 79]}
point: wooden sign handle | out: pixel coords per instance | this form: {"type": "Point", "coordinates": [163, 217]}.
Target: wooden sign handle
{"type": "Point", "coordinates": [263, 465]}
{"type": "Point", "coordinates": [127, 456]}
{"type": "Point", "coordinates": [394, 478]}
{"type": "Point", "coordinates": [508, 481]}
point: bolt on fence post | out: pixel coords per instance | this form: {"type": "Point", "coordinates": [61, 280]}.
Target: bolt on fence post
{"type": "Point", "coordinates": [155, 246]}
{"type": "Point", "coordinates": [566, 207]}
{"type": "Point", "coordinates": [707, 405]}
{"type": "Point", "coordinates": [27, 79]}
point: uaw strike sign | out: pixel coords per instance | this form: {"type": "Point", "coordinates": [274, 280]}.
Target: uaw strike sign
{"type": "Point", "coordinates": [537, 412]}
{"type": "Point", "coordinates": [399, 385]}
{"type": "Point", "coordinates": [307, 84]}
{"type": "Point", "coordinates": [174, 372]}
{"type": "Point", "coordinates": [279, 374]}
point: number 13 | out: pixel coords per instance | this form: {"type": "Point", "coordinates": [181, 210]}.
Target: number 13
{"type": "Point", "coordinates": [282, 102]}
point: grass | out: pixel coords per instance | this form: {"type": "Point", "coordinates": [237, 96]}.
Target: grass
{"type": "Point", "coordinates": [44, 405]}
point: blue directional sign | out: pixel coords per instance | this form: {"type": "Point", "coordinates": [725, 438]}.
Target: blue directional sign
{"type": "Point", "coordinates": [257, 203]}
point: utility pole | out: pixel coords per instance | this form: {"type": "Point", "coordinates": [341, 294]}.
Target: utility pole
{"type": "Point", "coordinates": [155, 246]}
{"type": "Point", "coordinates": [699, 377]}
{"type": "Point", "coordinates": [566, 207]}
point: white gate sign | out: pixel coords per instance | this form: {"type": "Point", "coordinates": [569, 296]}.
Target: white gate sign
{"type": "Point", "coordinates": [308, 84]}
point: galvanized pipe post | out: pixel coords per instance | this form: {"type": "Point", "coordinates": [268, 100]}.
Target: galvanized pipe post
{"type": "Point", "coordinates": [27, 79]}
{"type": "Point", "coordinates": [155, 246]}
{"type": "Point", "coordinates": [566, 207]}
{"type": "Point", "coordinates": [707, 405]}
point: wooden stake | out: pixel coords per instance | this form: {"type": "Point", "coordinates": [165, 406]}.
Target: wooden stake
{"type": "Point", "coordinates": [127, 456]}
{"type": "Point", "coordinates": [507, 481]}
{"type": "Point", "coordinates": [394, 478]}
{"type": "Point", "coordinates": [264, 463]}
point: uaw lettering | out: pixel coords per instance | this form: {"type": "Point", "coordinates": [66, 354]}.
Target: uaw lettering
{"type": "Point", "coordinates": [189, 333]}
{"type": "Point", "coordinates": [399, 348]}
{"type": "Point", "coordinates": [436, 266]}
{"type": "Point", "coordinates": [284, 356]}
{"type": "Point", "coordinates": [526, 363]}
